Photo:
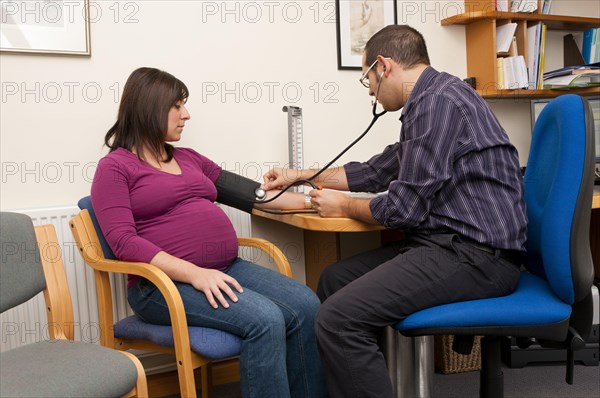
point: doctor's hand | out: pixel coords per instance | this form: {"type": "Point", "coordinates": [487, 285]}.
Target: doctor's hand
{"type": "Point", "coordinates": [330, 203]}
{"type": "Point", "coordinates": [278, 178]}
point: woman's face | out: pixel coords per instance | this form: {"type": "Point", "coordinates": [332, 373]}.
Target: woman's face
{"type": "Point", "coordinates": [178, 115]}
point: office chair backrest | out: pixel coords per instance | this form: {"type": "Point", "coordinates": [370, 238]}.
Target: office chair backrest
{"type": "Point", "coordinates": [86, 203]}
{"type": "Point", "coordinates": [558, 194]}
{"type": "Point", "coordinates": [21, 273]}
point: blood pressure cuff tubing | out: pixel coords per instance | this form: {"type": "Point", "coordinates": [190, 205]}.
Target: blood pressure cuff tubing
{"type": "Point", "coordinates": [236, 191]}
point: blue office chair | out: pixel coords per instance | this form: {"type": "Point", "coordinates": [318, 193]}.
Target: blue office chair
{"type": "Point", "coordinates": [552, 302]}
{"type": "Point", "coordinates": [194, 347]}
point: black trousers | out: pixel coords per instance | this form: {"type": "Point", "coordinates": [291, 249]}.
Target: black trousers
{"type": "Point", "coordinates": [364, 294]}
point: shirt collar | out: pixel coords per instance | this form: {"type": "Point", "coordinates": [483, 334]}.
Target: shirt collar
{"type": "Point", "coordinates": [424, 81]}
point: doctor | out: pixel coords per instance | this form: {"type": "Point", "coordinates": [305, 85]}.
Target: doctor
{"type": "Point", "coordinates": [452, 182]}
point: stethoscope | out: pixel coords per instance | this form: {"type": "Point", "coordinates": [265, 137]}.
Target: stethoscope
{"type": "Point", "coordinates": [261, 194]}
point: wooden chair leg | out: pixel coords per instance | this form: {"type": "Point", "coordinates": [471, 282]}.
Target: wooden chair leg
{"type": "Point", "coordinates": [206, 380]}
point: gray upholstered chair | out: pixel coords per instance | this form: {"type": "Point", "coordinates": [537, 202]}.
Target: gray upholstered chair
{"type": "Point", "coordinates": [59, 367]}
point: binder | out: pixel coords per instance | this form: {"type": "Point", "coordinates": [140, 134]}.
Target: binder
{"type": "Point", "coordinates": [588, 41]}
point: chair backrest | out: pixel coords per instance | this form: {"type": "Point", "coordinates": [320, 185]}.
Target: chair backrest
{"type": "Point", "coordinates": [558, 194]}
{"type": "Point", "coordinates": [21, 273]}
{"type": "Point", "coordinates": [86, 203]}
{"type": "Point", "coordinates": [32, 263]}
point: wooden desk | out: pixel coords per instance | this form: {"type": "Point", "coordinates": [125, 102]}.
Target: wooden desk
{"type": "Point", "coordinates": [323, 244]}
{"type": "Point", "coordinates": [596, 197]}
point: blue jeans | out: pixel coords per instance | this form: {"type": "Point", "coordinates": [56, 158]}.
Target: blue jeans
{"type": "Point", "coordinates": [274, 316]}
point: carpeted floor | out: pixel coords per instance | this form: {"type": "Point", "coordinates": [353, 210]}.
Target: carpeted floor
{"type": "Point", "coordinates": [533, 381]}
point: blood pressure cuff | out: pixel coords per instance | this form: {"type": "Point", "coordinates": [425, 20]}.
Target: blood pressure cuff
{"type": "Point", "coordinates": [236, 191]}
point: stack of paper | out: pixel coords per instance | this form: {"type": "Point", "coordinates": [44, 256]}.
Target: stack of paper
{"type": "Point", "coordinates": [573, 76]}
{"type": "Point", "coordinates": [590, 79]}
{"type": "Point", "coordinates": [502, 5]}
{"type": "Point", "coordinates": [574, 70]}
{"type": "Point", "coordinates": [524, 5]}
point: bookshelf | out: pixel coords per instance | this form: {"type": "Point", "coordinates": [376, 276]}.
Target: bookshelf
{"type": "Point", "coordinates": [481, 19]}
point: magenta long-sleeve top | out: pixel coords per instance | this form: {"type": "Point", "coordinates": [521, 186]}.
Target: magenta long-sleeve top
{"type": "Point", "coordinates": [142, 210]}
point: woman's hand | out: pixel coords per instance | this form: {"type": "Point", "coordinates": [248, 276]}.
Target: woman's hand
{"type": "Point", "coordinates": [278, 178]}
{"type": "Point", "coordinates": [213, 284]}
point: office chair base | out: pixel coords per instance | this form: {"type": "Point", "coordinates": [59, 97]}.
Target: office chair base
{"type": "Point", "coordinates": [491, 377]}
{"type": "Point", "coordinates": [515, 357]}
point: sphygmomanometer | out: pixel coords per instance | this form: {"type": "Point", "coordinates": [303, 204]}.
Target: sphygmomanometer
{"type": "Point", "coordinates": [243, 193]}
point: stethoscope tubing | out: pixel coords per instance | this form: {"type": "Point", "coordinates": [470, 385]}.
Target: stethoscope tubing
{"type": "Point", "coordinates": [308, 181]}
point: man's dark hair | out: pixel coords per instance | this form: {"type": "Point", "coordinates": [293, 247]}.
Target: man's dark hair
{"type": "Point", "coordinates": [403, 44]}
{"type": "Point", "coordinates": [142, 120]}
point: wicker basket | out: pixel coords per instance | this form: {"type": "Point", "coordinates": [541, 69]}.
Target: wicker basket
{"type": "Point", "coordinates": [448, 361]}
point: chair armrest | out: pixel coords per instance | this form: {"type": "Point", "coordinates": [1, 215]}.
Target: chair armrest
{"type": "Point", "coordinates": [89, 247]}
{"type": "Point", "coordinates": [273, 251]}
{"type": "Point", "coordinates": [141, 386]}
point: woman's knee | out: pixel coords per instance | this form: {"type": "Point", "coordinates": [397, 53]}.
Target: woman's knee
{"type": "Point", "coordinates": [266, 318]}
{"type": "Point", "coordinates": [308, 303]}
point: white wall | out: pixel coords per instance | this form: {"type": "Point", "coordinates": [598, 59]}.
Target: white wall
{"type": "Point", "coordinates": [52, 128]}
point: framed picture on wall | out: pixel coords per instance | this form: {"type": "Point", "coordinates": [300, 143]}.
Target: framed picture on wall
{"type": "Point", "coordinates": [49, 27]}
{"type": "Point", "coordinates": [357, 21]}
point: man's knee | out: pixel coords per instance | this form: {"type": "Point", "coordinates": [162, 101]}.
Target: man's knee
{"type": "Point", "coordinates": [329, 283]}
{"type": "Point", "coordinates": [330, 317]}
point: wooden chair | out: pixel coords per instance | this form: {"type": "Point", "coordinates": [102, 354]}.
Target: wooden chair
{"type": "Point", "coordinates": [193, 347]}
{"type": "Point", "coordinates": [59, 367]}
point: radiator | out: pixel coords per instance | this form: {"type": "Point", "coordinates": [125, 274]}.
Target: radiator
{"type": "Point", "coordinates": [27, 323]}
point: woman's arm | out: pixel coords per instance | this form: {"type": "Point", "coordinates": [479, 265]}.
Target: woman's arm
{"type": "Point", "coordinates": [287, 201]}
{"type": "Point", "coordinates": [211, 282]}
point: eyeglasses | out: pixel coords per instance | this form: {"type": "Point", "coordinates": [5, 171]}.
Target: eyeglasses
{"type": "Point", "coordinates": [363, 79]}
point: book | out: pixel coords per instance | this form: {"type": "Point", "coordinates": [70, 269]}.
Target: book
{"type": "Point", "coordinates": [500, 73]}
{"type": "Point", "coordinates": [521, 71]}
{"type": "Point", "coordinates": [546, 5]}
{"type": "Point", "coordinates": [533, 53]}
{"type": "Point", "coordinates": [514, 72]}
{"type": "Point", "coordinates": [504, 36]}
{"type": "Point", "coordinates": [587, 44]}
{"type": "Point", "coordinates": [540, 80]}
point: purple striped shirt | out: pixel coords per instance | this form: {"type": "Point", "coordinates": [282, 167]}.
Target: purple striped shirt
{"type": "Point", "coordinates": [453, 169]}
